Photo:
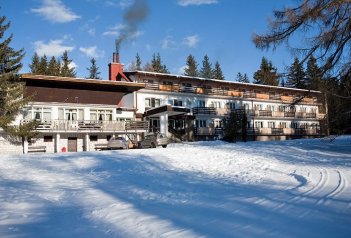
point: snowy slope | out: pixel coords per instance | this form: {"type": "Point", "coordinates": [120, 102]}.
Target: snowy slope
{"type": "Point", "coordinates": [295, 188]}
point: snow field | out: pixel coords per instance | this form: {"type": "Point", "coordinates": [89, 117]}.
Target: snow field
{"type": "Point", "coordinates": [295, 188]}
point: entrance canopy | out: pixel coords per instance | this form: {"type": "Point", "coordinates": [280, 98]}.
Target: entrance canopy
{"type": "Point", "coordinates": [166, 110]}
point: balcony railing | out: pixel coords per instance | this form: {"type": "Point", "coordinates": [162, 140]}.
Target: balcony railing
{"type": "Point", "coordinates": [292, 114]}
{"type": "Point", "coordinates": [283, 131]}
{"type": "Point", "coordinates": [89, 125]}
{"type": "Point", "coordinates": [204, 110]}
{"type": "Point", "coordinates": [228, 92]}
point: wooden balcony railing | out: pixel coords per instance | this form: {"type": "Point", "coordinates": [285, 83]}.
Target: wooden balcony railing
{"type": "Point", "coordinates": [228, 92]}
{"type": "Point", "coordinates": [204, 110]}
{"type": "Point", "coordinates": [88, 125]}
{"type": "Point", "coordinates": [283, 131]}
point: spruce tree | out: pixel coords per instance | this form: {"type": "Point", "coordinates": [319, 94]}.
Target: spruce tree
{"type": "Point", "coordinates": [137, 62]}
{"type": "Point", "coordinates": [43, 65]}
{"type": "Point", "coordinates": [267, 74]}
{"type": "Point", "coordinates": [217, 72]}
{"type": "Point", "coordinates": [66, 71]}
{"type": "Point", "coordinates": [206, 70]}
{"type": "Point", "coordinates": [156, 64]}
{"type": "Point", "coordinates": [93, 70]}
{"type": "Point", "coordinates": [296, 76]}
{"type": "Point", "coordinates": [11, 86]}
{"type": "Point", "coordinates": [242, 78]}
{"type": "Point", "coordinates": [313, 75]}
{"type": "Point", "coordinates": [34, 66]}
{"type": "Point", "coordinates": [246, 79]}
{"type": "Point", "coordinates": [191, 67]}
{"type": "Point", "coordinates": [53, 67]}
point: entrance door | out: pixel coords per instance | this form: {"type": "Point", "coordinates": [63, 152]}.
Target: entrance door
{"type": "Point", "coordinates": [72, 144]}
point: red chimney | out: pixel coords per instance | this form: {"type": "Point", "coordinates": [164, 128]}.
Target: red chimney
{"type": "Point", "coordinates": [116, 70]}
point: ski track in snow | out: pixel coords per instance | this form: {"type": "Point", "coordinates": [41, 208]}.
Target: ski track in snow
{"type": "Point", "coordinates": [295, 188]}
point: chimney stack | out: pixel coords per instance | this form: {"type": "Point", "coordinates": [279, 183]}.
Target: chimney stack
{"type": "Point", "coordinates": [115, 69]}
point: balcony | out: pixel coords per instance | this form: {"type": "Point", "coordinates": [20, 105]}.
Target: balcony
{"type": "Point", "coordinates": [283, 131]}
{"type": "Point", "coordinates": [204, 111]}
{"type": "Point", "coordinates": [87, 125]}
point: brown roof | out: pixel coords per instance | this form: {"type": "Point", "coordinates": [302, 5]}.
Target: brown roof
{"type": "Point", "coordinates": [106, 85]}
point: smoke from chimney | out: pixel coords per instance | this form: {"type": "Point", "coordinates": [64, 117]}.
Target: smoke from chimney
{"type": "Point", "coordinates": [135, 14]}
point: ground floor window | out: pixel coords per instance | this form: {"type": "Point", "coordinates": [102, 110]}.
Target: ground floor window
{"type": "Point", "coordinates": [200, 123]}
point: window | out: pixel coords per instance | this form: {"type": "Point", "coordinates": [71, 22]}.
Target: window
{"type": "Point", "coordinates": [271, 124]}
{"type": "Point", "coordinates": [187, 85]}
{"type": "Point", "coordinates": [200, 103]}
{"type": "Point", "coordinates": [47, 138]}
{"type": "Point", "coordinates": [177, 102]}
{"type": "Point", "coordinates": [108, 137]}
{"type": "Point", "coordinates": [71, 114]}
{"type": "Point", "coordinates": [100, 115]}
{"type": "Point", "coordinates": [152, 102]}
{"type": "Point", "coordinates": [167, 83]}
{"type": "Point", "coordinates": [270, 108]}
{"type": "Point", "coordinates": [294, 125]}
{"type": "Point", "coordinates": [258, 106]}
{"type": "Point", "coordinates": [200, 123]}
{"type": "Point", "coordinates": [259, 124]}
{"type": "Point", "coordinates": [93, 138]}
{"type": "Point", "coordinates": [37, 113]}
{"type": "Point", "coordinates": [218, 123]}
{"type": "Point", "coordinates": [231, 105]}
{"type": "Point", "coordinates": [282, 124]}
{"type": "Point", "coordinates": [216, 104]}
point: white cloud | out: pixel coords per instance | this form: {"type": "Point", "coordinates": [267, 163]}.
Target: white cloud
{"type": "Point", "coordinates": [115, 30]}
{"type": "Point", "coordinates": [53, 48]}
{"type": "Point", "coordinates": [191, 41]}
{"type": "Point", "coordinates": [92, 52]}
{"type": "Point", "coordinates": [185, 3]}
{"type": "Point", "coordinates": [181, 70]}
{"type": "Point", "coordinates": [121, 3]}
{"type": "Point", "coordinates": [168, 43]}
{"type": "Point", "coordinates": [72, 65]}
{"type": "Point", "coordinates": [55, 11]}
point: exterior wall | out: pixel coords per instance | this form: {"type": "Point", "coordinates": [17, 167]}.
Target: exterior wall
{"type": "Point", "coordinates": [8, 147]}
{"type": "Point", "coordinates": [271, 110]}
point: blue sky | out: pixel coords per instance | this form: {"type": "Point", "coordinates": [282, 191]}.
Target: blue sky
{"type": "Point", "coordinates": [222, 29]}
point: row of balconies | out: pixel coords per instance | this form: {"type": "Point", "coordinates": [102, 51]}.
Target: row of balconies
{"type": "Point", "coordinates": [257, 113]}
{"type": "Point", "coordinates": [261, 131]}
{"type": "Point", "coordinates": [86, 125]}
{"type": "Point", "coordinates": [232, 93]}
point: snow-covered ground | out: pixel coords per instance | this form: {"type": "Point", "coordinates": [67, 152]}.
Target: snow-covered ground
{"type": "Point", "coordinates": [295, 188]}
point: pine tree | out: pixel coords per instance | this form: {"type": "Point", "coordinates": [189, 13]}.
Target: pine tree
{"type": "Point", "coordinates": [239, 77]}
{"type": "Point", "coordinates": [93, 70]}
{"type": "Point", "coordinates": [206, 70]}
{"type": "Point", "coordinates": [242, 78]}
{"type": "Point", "coordinates": [43, 65]}
{"type": "Point", "coordinates": [34, 66]}
{"type": "Point", "coordinates": [11, 86]}
{"type": "Point", "coordinates": [296, 76]}
{"type": "Point", "coordinates": [246, 79]}
{"type": "Point", "coordinates": [53, 67]}
{"type": "Point", "coordinates": [267, 74]}
{"type": "Point", "coordinates": [156, 64]}
{"type": "Point", "coordinates": [191, 67]}
{"type": "Point", "coordinates": [217, 72]}
{"type": "Point", "coordinates": [66, 71]}
{"type": "Point", "coordinates": [137, 62]}
{"type": "Point", "coordinates": [314, 79]}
